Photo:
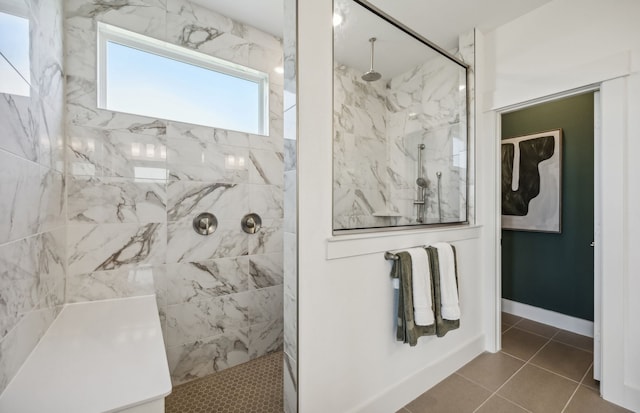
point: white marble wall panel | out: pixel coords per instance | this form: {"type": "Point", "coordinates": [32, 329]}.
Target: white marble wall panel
{"type": "Point", "coordinates": [268, 239]}
{"type": "Point", "coordinates": [266, 167]}
{"type": "Point", "coordinates": [203, 357]}
{"type": "Point", "coordinates": [104, 247]}
{"type": "Point", "coordinates": [265, 270]}
{"type": "Point", "coordinates": [205, 280]}
{"type": "Point", "coordinates": [116, 200]}
{"type": "Point", "coordinates": [119, 283]}
{"type": "Point", "coordinates": [32, 186]}
{"type": "Point", "coordinates": [184, 245]}
{"type": "Point", "coordinates": [200, 319]}
{"type": "Point", "coordinates": [265, 338]}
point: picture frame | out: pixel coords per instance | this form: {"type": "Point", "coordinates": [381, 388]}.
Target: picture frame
{"type": "Point", "coordinates": [532, 182]}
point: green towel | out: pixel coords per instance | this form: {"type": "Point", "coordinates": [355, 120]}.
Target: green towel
{"type": "Point", "coordinates": [407, 331]}
{"type": "Point", "coordinates": [442, 326]}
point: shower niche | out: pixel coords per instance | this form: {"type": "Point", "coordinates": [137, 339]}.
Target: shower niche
{"type": "Point", "coordinates": [400, 131]}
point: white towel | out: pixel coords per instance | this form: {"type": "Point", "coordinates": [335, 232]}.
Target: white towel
{"type": "Point", "coordinates": [421, 286]}
{"type": "Point", "coordinates": [449, 306]}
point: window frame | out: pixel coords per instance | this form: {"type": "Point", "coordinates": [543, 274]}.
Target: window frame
{"type": "Point", "coordinates": [107, 33]}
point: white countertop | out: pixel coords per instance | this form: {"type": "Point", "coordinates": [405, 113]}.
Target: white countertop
{"type": "Point", "coordinates": [101, 356]}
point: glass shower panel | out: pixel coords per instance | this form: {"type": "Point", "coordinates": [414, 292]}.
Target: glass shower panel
{"type": "Point", "coordinates": [400, 137]}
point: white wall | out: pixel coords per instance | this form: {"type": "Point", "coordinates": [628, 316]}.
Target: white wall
{"type": "Point", "coordinates": [564, 45]}
{"type": "Point", "coordinates": [349, 360]}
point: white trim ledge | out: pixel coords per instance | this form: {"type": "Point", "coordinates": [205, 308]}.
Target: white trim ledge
{"type": "Point", "coordinates": [563, 321]}
{"type": "Point", "coordinates": [344, 246]}
{"type": "Point", "coordinates": [393, 398]}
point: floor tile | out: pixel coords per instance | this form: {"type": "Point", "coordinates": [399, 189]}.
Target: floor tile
{"type": "Point", "coordinates": [587, 400]}
{"type": "Point", "coordinates": [491, 370]}
{"type": "Point", "coordinates": [453, 394]}
{"type": "Point", "coordinates": [538, 390]}
{"type": "Point", "coordinates": [521, 344]}
{"type": "Point", "coordinates": [576, 340]}
{"type": "Point", "coordinates": [537, 328]}
{"type": "Point", "coordinates": [565, 360]}
{"type": "Point", "coordinates": [590, 382]}
{"type": "Point", "coordinates": [497, 404]}
{"type": "Point", "coordinates": [250, 387]}
{"type": "Point", "coordinates": [506, 326]}
{"type": "Point", "coordinates": [510, 319]}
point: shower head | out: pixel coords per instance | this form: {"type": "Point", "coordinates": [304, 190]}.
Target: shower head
{"type": "Point", "coordinates": [421, 182]}
{"type": "Point", "coordinates": [371, 75]}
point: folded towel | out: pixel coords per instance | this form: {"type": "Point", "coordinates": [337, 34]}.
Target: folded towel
{"type": "Point", "coordinates": [442, 326]}
{"type": "Point", "coordinates": [421, 283]}
{"type": "Point", "coordinates": [406, 329]}
{"type": "Point", "coordinates": [450, 309]}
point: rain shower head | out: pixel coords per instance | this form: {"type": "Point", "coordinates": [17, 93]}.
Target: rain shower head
{"type": "Point", "coordinates": [371, 75]}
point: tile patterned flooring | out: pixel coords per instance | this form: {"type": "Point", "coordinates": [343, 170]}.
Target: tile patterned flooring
{"type": "Point", "coordinates": [252, 387]}
{"type": "Point", "coordinates": [540, 369]}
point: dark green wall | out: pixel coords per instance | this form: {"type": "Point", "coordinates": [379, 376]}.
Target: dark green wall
{"type": "Point", "coordinates": [555, 271]}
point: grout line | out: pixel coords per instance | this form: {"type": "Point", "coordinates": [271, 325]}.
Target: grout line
{"type": "Point", "coordinates": [577, 388]}
{"type": "Point", "coordinates": [571, 345]}
{"type": "Point", "coordinates": [514, 403]}
{"type": "Point", "coordinates": [514, 374]}
{"type": "Point", "coordinates": [536, 334]}
{"type": "Point", "coordinates": [555, 373]}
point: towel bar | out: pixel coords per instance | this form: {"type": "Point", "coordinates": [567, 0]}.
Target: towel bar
{"type": "Point", "coordinates": [391, 256]}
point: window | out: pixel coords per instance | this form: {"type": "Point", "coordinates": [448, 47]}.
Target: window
{"type": "Point", "coordinates": [14, 54]}
{"type": "Point", "coordinates": [145, 76]}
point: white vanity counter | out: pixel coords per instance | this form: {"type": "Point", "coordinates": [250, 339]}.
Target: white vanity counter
{"type": "Point", "coordinates": [100, 356]}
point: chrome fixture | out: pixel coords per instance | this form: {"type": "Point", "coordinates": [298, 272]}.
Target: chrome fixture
{"type": "Point", "coordinates": [439, 176]}
{"type": "Point", "coordinates": [422, 185]}
{"type": "Point", "coordinates": [205, 223]}
{"type": "Point", "coordinates": [251, 223]}
{"type": "Point", "coordinates": [371, 75]}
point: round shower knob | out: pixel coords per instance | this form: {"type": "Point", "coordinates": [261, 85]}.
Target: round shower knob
{"type": "Point", "coordinates": [205, 223]}
{"type": "Point", "coordinates": [251, 223]}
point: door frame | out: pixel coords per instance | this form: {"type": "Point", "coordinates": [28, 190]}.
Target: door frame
{"type": "Point", "coordinates": [597, 214]}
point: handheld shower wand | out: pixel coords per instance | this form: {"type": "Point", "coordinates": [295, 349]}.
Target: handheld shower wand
{"type": "Point", "coordinates": [422, 185]}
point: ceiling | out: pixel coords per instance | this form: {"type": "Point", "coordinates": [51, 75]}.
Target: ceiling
{"type": "Point", "coordinates": [440, 21]}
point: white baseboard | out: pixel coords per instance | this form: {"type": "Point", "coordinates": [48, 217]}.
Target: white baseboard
{"type": "Point", "coordinates": [398, 395]}
{"type": "Point", "coordinates": [563, 321]}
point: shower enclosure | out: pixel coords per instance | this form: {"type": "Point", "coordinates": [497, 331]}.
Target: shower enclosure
{"type": "Point", "coordinates": [400, 137]}
{"type": "Point", "coordinates": [136, 183]}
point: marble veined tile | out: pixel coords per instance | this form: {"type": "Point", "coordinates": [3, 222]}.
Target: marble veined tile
{"type": "Point", "coordinates": [266, 167]}
{"type": "Point", "coordinates": [290, 325]}
{"type": "Point", "coordinates": [200, 319]}
{"type": "Point", "coordinates": [266, 200]}
{"type": "Point", "coordinates": [185, 245]}
{"type": "Point", "coordinates": [268, 239]}
{"type": "Point", "coordinates": [265, 270]}
{"type": "Point", "coordinates": [203, 357]}
{"type": "Point", "coordinates": [19, 132]}
{"type": "Point", "coordinates": [228, 202]}
{"type": "Point", "coordinates": [290, 201]}
{"type": "Point", "coordinates": [146, 17]}
{"type": "Point", "coordinates": [21, 183]}
{"type": "Point", "coordinates": [205, 135]}
{"type": "Point", "coordinates": [118, 283]}
{"type": "Point", "coordinates": [290, 264]}
{"type": "Point", "coordinates": [103, 247]}
{"type": "Point", "coordinates": [18, 281]}
{"type": "Point", "coordinates": [51, 264]}
{"type": "Point", "coordinates": [18, 344]}
{"type": "Point", "coordinates": [207, 279]}
{"type": "Point", "coordinates": [116, 200]}
{"type": "Point", "coordinates": [265, 304]}
{"type": "Point", "coordinates": [265, 338]}
{"type": "Point", "coordinates": [195, 160]}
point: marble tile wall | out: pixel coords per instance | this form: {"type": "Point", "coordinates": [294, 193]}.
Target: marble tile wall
{"type": "Point", "coordinates": [290, 385]}
{"type": "Point", "coordinates": [136, 183]}
{"type": "Point", "coordinates": [376, 164]}
{"type": "Point", "coordinates": [32, 185]}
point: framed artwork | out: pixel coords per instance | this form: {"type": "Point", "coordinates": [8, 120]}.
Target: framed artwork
{"type": "Point", "coordinates": [531, 182]}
